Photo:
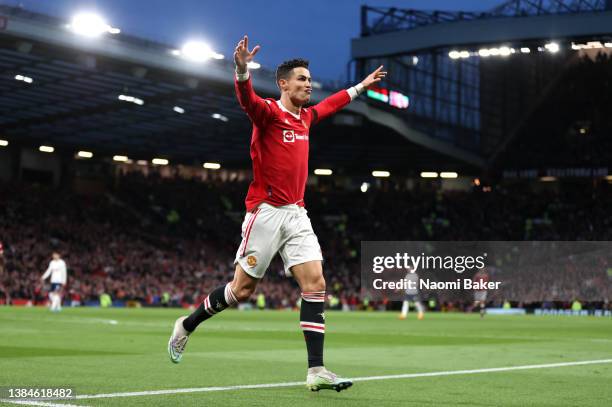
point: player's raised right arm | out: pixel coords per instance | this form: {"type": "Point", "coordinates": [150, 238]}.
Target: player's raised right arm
{"type": "Point", "coordinates": [242, 55]}
{"type": "Point", "coordinates": [338, 100]}
{"type": "Point", "coordinates": [255, 107]}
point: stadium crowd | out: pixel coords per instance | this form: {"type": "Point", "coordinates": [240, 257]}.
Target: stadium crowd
{"type": "Point", "coordinates": [167, 241]}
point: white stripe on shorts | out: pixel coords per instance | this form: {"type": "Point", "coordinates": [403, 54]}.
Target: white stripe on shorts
{"type": "Point", "coordinates": [247, 231]}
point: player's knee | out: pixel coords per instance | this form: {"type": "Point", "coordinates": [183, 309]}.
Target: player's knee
{"type": "Point", "coordinates": [320, 283]}
{"type": "Point", "coordinates": [243, 285]}
{"type": "Point", "coordinates": [243, 293]}
{"type": "Point", "coordinates": [316, 283]}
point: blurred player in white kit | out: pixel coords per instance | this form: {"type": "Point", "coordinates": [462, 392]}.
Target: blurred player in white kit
{"type": "Point", "coordinates": [412, 295]}
{"type": "Point", "coordinates": [58, 273]}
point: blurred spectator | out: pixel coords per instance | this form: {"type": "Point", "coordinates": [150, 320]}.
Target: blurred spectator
{"type": "Point", "coordinates": [123, 244]}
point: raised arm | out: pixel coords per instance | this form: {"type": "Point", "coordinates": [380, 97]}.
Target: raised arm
{"type": "Point", "coordinates": [255, 107]}
{"type": "Point", "coordinates": [338, 100]}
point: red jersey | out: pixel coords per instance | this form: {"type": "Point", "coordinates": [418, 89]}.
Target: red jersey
{"type": "Point", "coordinates": [279, 145]}
{"type": "Point", "coordinates": [481, 277]}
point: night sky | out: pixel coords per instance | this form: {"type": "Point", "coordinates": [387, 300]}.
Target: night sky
{"type": "Point", "coordinates": [319, 30]}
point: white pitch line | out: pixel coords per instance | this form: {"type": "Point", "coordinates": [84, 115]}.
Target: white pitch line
{"type": "Point", "coordinates": [38, 403]}
{"type": "Point", "coordinates": [191, 390]}
{"type": "Point", "coordinates": [356, 379]}
{"type": "Point", "coordinates": [487, 370]}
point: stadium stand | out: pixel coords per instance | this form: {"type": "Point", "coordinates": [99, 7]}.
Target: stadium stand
{"type": "Point", "coordinates": [149, 235]}
{"type": "Point", "coordinates": [164, 235]}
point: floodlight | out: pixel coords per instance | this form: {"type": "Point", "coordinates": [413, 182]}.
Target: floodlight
{"type": "Point", "coordinates": [552, 47]}
{"type": "Point", "coordinates": [212, 166]}
{"type": "Point", "coordinates": [91, 25]}
{"type": "Point", "coordinates": [197, 51]}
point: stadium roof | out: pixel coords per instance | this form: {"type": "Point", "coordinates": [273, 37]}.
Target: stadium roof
{"type": "Point", "coordinates": [74, 100]}
{"type": "Point", "coordinates": [392, 31]}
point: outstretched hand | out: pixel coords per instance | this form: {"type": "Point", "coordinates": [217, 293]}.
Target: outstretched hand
{"type": "Point", "coordinates": [374, 77]}
{"type": "Point", "coordinates": [242, 55]}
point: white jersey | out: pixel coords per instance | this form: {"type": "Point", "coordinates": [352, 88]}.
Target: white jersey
{"type": "Point", "coordinates": [414, 278]}
{"type": "Point", "coordinates": [57, 270]}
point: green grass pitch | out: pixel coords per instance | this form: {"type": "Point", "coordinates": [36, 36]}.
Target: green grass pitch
{"type": "Point", "coordinates": [124, 350]}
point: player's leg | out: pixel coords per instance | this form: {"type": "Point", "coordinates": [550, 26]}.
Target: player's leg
{"type": "Point", "coordinates": [405, 309]}
{"type": "Point", "coordinates": [259, 244]}
{"type": "Point", "coordinates": [420, 308]}
{"type": "Point", "coordinates": [240, 289]}
{"type": "Point", "coordinates": [302, 257]}
{"type": "Point", "coordinates": [53, 298]}
{"type": "Point", "coordinates": [480, 298]}
{"type": "Point", "coordinates": [309, 277]}
{"type": "Point", "coordinates": [222, 297]}
{"type": "Point", "coordinates": [59, 298]}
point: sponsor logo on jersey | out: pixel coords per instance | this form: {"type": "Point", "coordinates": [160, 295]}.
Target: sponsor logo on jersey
{"type": "Point", "coordinates": [288, 136]}
{"type": "Point", "coordinates": [252, 261]}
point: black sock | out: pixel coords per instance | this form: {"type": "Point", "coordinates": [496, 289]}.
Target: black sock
{"type": "Point", "coordinates": [312, 321]}
{"type": "Point", "coordinates": [218, 300]}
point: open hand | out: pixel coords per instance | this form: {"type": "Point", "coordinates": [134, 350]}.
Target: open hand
{"type": "Point", "coordinates": [374, 77]}
{"type": "Point", "coordinates": [242, 55]}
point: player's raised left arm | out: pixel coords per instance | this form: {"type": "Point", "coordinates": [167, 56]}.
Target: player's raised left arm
{"type": "Point", "coordinates": [338, 100]}
{"type": "Point", "coordinates": [375, 77]}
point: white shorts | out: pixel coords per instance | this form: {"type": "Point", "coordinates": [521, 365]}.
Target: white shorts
{"type": "Point", "coordinates": [269, 230]}
{"type": "Point", "coordinates": [480, 295]}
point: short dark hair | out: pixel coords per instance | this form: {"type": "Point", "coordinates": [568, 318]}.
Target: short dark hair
{"type": "Point", "coordinates": [284, 70]}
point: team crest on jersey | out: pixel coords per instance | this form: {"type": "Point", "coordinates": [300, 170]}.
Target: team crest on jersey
{"type": "Point", "coordinates": [288, 136]}
{"type": "Point", "coordinates": [252, 261]}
